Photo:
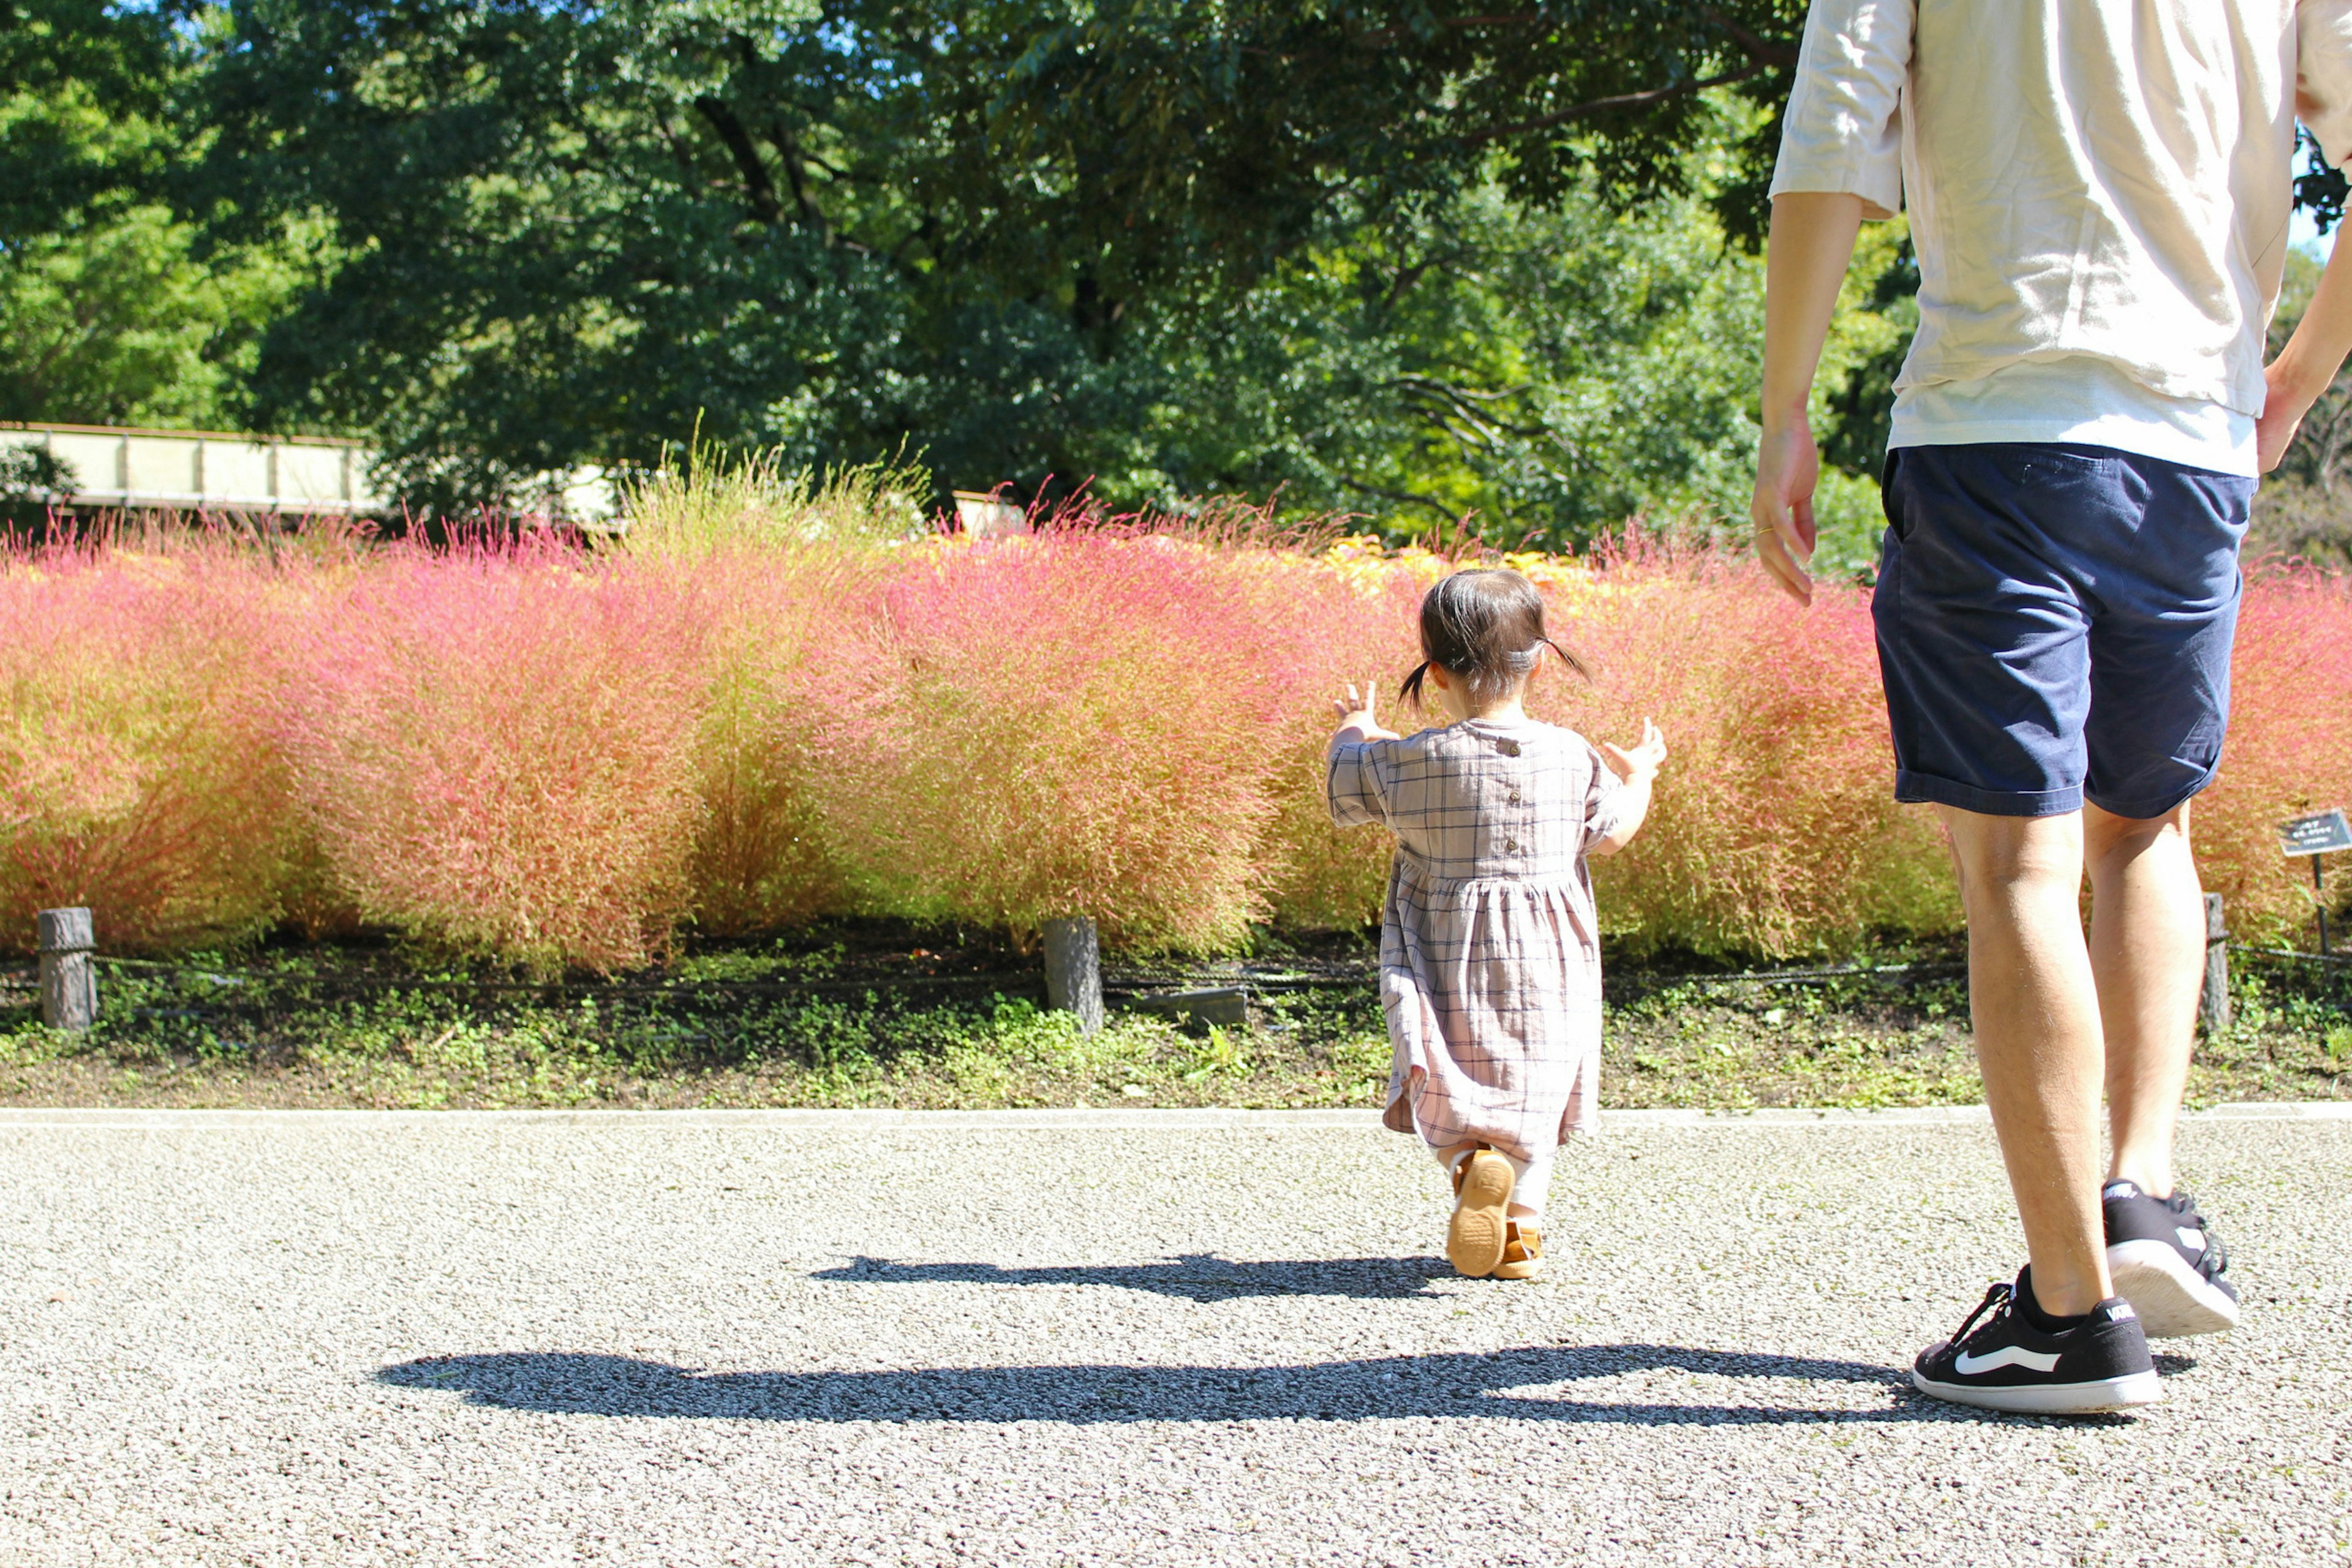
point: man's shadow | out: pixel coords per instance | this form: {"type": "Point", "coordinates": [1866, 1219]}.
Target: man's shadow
{"type": "Point", "coordinates": [1513, 1384]}
{"type": "Point", "coordinates": [1195, 1275]}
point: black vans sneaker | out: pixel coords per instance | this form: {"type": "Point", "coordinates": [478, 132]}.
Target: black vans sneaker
{"type": "Point", "coordinates": [2001, 1361]}
{"type": "Point", "coordinates": [2167, 1263]}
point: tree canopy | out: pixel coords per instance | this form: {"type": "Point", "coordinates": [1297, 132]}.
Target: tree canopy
{"type": "Point", "coordinates": [1417, 258]}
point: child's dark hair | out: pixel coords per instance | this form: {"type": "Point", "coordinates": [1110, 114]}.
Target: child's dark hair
{"type": "Point", "coordinates": [1483, 628]}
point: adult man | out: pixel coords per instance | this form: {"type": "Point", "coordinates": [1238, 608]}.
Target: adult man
{"type": "Point", "coordinates": [2098, 192]}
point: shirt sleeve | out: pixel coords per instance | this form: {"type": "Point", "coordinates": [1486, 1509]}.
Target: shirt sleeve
{"type": "Point", "coordinates": [2323, 75]}
{"type": "Point", "coordinates": [1842, 131]}
{"type": "Point", "coordinates": [1354, 785]}
{"type": "Point", "coordinates": [1604, 800]}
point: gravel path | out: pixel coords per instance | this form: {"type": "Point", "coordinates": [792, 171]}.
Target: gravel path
{"type": "Point", "coordinates": [654, 1339]}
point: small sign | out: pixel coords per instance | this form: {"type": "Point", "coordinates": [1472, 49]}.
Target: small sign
{"type": "Point", "coordinates": [2321, 833]}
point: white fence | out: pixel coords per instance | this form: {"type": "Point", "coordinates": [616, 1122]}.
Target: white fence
{"type": "Point", "coordinates": [210, 470]}
{"type": "Point", "coordinates": [205, 469]}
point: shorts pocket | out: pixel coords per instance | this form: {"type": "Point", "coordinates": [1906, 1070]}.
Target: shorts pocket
{"type": "Point", "coordinates": [1890, 503]}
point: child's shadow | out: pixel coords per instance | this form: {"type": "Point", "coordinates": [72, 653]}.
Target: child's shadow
{"type": "Point", "coordinates": [1195, 1275]}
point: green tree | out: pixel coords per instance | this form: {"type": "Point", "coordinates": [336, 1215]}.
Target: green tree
{"type": "Point", "coordinates": [1550, 369]}
{"type": "Point", "coordinates": [574, 231]}
{"type": "Point", "coordinates": [114, 306]}
{"type": "Point", "coordinates": [129, 318]}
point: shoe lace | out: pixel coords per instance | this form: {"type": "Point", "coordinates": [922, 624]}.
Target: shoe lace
{"type": "Point", "coordinates": [1991, 1310]}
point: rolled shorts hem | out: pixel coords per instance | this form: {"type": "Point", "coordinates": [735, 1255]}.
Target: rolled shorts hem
{"type": "Point", "coordinates": [1926, 789]}
{"type": "Point", "coordinates": [2147, 810]}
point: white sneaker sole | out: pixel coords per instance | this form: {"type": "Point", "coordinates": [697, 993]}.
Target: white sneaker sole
{"type": "Point", "coordinates": [2173, 1301]}
{"type": "Point", "coordinates": [2050, 1398]}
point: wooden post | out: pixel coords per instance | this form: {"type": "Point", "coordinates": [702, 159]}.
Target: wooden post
{"type": "Point", "coordinates": [2213, 1006]}
{"type": "Point", "coordinates": [2319, 899]}
{"type": "Point", "coordinates": [69, 977]}
{"type": "Point", "coordinates": [1074, 971]}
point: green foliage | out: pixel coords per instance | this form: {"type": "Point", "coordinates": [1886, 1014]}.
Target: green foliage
{"type": "Point", "coordinates": [1550, 371]}
{"type": "Point", "coordinates": [1396, 256]}
{"type": "Point", "coordinates": [29, 476]}
{"type": "Point", "coordinates": [123, 319]}
{"type": "Point", "coordinates": [706, 499]}
{"type": "Point", "coordinates": [574, 231]}
{"type": "Point", "coordinates": [115, 307]}
{"type": "Point", "coordinates": [83, 84]}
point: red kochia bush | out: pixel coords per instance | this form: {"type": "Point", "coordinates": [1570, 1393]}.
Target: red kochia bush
{"type": "Point", "coordinates": [135, 775]}
{"type": "Point", "coordinates": [1774, 826]}
{"type": "Point", "coordinates": [495, 748]}
{"type": "Point", "coordinates": [2289, 749]}
{"type": "Point", "coordinates": [1065, 724]}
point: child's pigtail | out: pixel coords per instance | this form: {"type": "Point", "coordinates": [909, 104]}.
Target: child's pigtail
{"type": "Point", "coordinates": [1568, 658]}
{"type": "Point", "coordinates": [1410, 691]}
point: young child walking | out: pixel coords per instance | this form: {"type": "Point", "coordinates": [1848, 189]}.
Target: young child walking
{"type": "Point", "coordinates": [1490, 957]}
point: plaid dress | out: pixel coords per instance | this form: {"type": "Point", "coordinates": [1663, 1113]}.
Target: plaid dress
{"type": "Point", "coordinates": [1490, 957]}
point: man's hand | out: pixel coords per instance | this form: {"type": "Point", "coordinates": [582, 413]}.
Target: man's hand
{"type": "Point", "coordinates": [1787, 466]}
{"type": "Point", "coordinates": [1356, 714]}
{"type": "Point", "coordinates": [1804, 265]}
{"type": "Point", "coordinates": [2314, 353]}
{"type": "Point", "coordinates": [2283, 406]}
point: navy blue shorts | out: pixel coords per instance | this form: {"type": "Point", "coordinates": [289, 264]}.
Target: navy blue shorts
{"type": "Point", "coordinates": [2055, 625]}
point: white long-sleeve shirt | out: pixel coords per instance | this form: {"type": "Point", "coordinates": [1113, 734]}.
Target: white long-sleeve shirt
{"type": "Point", "coordinates": [2098, 193]}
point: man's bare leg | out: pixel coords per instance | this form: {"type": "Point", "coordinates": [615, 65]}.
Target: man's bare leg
{"type": "Point", "coordinates": [2035, 1003]}
{"type": "Point", "coordinates": [2147, 949]}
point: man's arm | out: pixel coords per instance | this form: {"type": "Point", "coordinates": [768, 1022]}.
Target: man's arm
{"type": "Point", "coordinates": [2313, 355]}
{"type": "Point", "coordinates": [1805, 261]}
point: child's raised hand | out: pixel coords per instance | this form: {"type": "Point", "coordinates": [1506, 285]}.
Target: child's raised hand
{"type": "Point", "coordinates": [1356, 712]}
{"type": "Point", "coordinates": [1642, 760]}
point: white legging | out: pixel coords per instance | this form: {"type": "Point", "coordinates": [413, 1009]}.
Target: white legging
{"type": "Point", "coordinates": [1531, 1179]}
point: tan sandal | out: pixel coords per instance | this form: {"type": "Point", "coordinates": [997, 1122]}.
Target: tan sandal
{"type": "Point", "coordinates": [1475, 1238]}
{"type": "Point", "coordinates": [1522, 1251]}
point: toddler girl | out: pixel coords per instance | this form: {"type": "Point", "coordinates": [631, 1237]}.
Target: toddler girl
{"type": "Point", "coordinates": [1490, 963]}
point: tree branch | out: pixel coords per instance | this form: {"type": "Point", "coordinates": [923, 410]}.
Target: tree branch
{"type": "Point", "coordinates": [758, 188]}
{"type": "Point", "coordinates": [1444, 513]}
{"type": "Point", "coordinates": [1388, 35]}
{"type": "Point", "coordinates": [1757, 47]}
{"type": "Point", "coordinates": [1603, 105]}
{"type": "Point", "coordinates": [788, 152]}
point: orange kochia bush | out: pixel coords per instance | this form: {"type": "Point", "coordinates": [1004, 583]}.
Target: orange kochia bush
{"type": "Point", "coordinates": [560, 758]}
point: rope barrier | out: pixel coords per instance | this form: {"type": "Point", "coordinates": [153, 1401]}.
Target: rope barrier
{"type": "Point", "coordinates": [2291, 952]}
{"type": "Point", "coordinates": [1263, 978]}
{"type": "Point", "coordinates": [684, 986]}
{"type": "Point", "coordinates": [1269, 977]}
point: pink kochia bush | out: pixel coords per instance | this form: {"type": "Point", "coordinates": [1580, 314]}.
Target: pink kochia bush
{"type": "Point", "coordinates": [496, 750]}
{"type": "Point", "coordinates": [135, 775]}
{"type": "Point", "coordinates": [559, 757]}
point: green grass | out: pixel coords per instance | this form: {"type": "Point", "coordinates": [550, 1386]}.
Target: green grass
{"type": "Point", "coordinates": [816, 1019]}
